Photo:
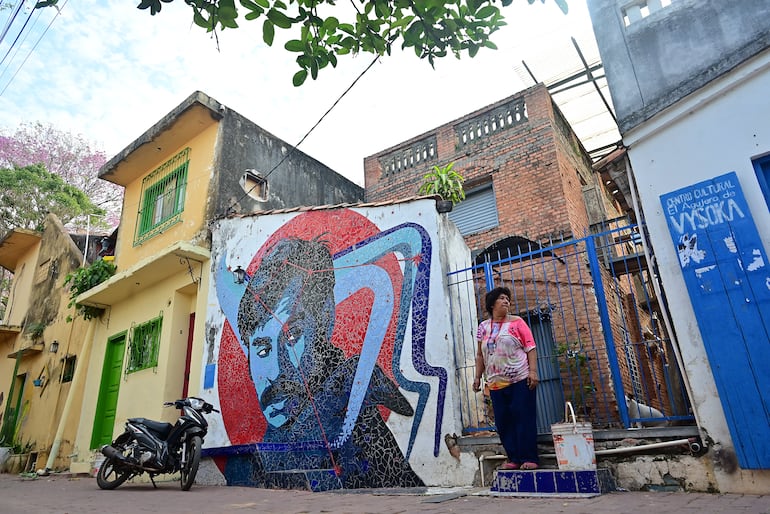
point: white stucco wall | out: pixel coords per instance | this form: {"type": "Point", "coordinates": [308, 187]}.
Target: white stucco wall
{"type": "Point", "coordinates": [237, 240]}
{"type": "Point", "coordinates": [718, 129]}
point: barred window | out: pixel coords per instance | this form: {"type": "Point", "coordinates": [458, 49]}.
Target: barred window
{"type": "Point", "coordinates": [163, 196]}
{"type": "Point", "coordinates": [143, 345]}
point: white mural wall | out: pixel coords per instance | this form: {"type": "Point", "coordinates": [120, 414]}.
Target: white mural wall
{"type": "Point", "coordinates": [329, 349]}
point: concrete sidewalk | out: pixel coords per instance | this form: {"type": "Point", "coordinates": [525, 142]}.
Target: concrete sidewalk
{"type": "Point", "coordinates": [75, 495]}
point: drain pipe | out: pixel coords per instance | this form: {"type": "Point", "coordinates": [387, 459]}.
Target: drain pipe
{"type": "Point", "coordinates": [485, 458]}
{"type": "Point", "coordinates": [78, 380]}
{"type": "Point", "coordinates": [691, 442]}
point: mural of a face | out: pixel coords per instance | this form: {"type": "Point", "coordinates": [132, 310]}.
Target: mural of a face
{"type": "Point", "coordinates": [285, 318]}
{"type": "Point", "coordinates": [310, 359]}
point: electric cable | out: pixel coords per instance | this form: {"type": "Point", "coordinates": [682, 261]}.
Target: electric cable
{"type": "Point", "coordinates": [293, 148]}
{"type": "Point", "coordinates": [15, 46]}
{"type": "Point", "coordinates": [58, 13]}
{"type": "Point", "coordinates": [16, 40]}
{"type": "Point", "coordinates": [10, 21]}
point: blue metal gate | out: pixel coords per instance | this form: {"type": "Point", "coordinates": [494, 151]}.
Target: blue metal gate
{"type": "Point", "coordinates": [602, 343]}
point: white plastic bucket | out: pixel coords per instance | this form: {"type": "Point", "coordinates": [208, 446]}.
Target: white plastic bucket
{"type": "Point", "coordinates": [573, 442]}
{"type": "Point", "coordinates": [98, 460]}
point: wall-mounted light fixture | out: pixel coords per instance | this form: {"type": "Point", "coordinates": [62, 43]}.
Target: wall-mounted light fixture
{"type": "Point", "coordinates": [239, 275]}
{"type": "Point", "coordinates": [54, 346]}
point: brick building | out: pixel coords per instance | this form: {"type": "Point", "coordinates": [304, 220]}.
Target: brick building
{"type": "Point", "coordinates": [532, 202]}
{"type": "Point", "coordinates": [523, 167]}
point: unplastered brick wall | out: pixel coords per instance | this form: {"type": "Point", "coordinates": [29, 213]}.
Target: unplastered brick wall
{"type": "Point", "coordinates": [530, 163]}
{"type": "Point", "coordinates": [539, 170]}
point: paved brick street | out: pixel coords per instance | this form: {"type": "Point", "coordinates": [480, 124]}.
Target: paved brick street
{"type": "Point", "coordinates": [62, 494]}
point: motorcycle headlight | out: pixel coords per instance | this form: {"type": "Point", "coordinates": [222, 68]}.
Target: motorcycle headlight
{"type": "Point", "coordinates": [196, 403]}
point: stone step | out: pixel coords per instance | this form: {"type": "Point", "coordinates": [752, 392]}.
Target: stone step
{"type": "Point", "coordinates": [553, 483]}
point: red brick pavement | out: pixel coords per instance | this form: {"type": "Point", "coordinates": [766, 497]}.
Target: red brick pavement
{"type": "Point", "coordinates": [64, 494]}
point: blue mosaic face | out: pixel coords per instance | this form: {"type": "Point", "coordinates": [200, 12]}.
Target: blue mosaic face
{"type": "Point", "coordinates": [285, 318]}
{"type": "Point", "coordinates": [279, 340]}
{"type": "Point", "coordinates": [324, 395]}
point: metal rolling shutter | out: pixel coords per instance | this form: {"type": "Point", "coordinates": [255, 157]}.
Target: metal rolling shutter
{"type": "Point", "coordinates": [477, 212]}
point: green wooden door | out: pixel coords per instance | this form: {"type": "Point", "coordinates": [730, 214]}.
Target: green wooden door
{"type": "Point", "coordinates": [104, 421]}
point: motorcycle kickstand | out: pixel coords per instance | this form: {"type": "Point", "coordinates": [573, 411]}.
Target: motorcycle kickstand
{"type": "Point", "coordinates": [153, 482]}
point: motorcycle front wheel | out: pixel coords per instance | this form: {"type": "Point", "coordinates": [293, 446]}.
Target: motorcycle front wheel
{"type": "Point", "coordinates": [192, 461]}
{"type": "Point", "coordinates": [110, 477]}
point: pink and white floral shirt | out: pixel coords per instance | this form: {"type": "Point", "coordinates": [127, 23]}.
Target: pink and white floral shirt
{"type": "Point", "coordinates": [504, 345]}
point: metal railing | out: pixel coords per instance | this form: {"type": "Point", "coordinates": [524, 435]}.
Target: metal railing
{"type": "Point", "coordinates": [597, 325]}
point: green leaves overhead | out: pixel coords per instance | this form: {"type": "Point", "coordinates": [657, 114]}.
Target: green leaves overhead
{"type": "Point", "coordinates": [153, 5]}
{"type": "Point", "coordinates": [432, 28]}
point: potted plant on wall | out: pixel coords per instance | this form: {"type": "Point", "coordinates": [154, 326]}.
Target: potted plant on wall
{"type": "Point", "coordinates": [446, 183]}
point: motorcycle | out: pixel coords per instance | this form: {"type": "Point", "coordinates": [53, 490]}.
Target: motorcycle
{"type": "Point", "coordinates": [155, 447]}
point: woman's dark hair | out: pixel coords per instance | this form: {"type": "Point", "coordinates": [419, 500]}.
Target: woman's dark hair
{"type": "Point", "coordinates": [493, 295]}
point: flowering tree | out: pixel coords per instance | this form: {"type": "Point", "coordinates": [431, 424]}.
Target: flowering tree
{"type": "Point", "coordinates": [29, 193]}
{"type": "Point", "coordinates": [70, 157]}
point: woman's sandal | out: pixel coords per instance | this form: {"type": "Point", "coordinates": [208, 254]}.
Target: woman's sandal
{"type": "Point", "coordinates": [510, 465]}
{"type": "Point", "coordinates": [529, 465]}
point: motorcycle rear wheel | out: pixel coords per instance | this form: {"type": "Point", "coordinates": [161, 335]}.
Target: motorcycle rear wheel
{"type": "Point", "coordinates": [110, 477]}
{"type": "Point", "coordinates": [192, 461]}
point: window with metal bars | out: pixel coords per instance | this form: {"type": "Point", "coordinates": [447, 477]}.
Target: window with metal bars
{"type": "Point", "coordinates": [143, 345]}
{"type": "Point", "coordinates": [163, 196]}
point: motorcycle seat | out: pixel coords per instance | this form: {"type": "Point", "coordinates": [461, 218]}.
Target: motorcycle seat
{"type": "Point", "coordinates": [159, 427]}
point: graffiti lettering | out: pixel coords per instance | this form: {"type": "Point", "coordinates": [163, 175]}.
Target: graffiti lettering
{"type": "Point", "coordinates": [713, 189]}
{"type": "Point", "coordinates": [674, 202]}
{"type": "Point", "coordinates": [712, 214]}
{"type": "Point", "coordinates": [703, 196]}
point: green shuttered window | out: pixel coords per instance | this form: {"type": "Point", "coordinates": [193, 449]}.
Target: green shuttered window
{"type": "Point", "coordinates": [163, 196]}
{"type": "Point", "coordinates": [144, 344]}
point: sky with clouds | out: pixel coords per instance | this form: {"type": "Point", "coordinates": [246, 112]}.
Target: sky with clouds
{"type": "Point", "coordinates": [109, 71]}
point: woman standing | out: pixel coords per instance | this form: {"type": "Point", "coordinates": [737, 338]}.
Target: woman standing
{"type": "Point", "coordinates": [507, 356]}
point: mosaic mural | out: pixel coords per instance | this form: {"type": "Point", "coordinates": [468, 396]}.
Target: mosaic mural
{"type": "Point", "coordinates": [309, 367]}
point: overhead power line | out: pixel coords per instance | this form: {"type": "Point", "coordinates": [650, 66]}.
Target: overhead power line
{"type": "Point", "coordinates": [293, 148]}
{"type": "Point", "coordinates": [16, 40]}
{"type": "Point", "coordinates": [11, 19]}
{"type": "Point", "coordinates": [22, 31]}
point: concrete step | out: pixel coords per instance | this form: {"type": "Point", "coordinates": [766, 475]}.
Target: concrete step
{"type": "Point", "coordinates": [552, 483]}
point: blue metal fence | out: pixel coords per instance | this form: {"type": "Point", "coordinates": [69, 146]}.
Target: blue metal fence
{"type": "Point", "coordinates": [597, 322]}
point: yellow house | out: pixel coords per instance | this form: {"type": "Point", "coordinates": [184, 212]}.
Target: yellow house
{"type": "Point", "coordinates": [200, 162]}
{"type": "Point", "coordinates": [39, 349]}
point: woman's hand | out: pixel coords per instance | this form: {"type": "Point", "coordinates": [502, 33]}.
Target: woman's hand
{"type": "Point", "coordinates": [532, 379]}
{"type": "Point", "coordinates": [477, 385]}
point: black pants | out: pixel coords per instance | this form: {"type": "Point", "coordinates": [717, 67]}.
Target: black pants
{"type": "Point", "coordinates": [515, 409]}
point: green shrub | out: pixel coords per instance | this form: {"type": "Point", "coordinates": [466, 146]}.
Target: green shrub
{"type": "Point", "coordinates": [83, 279]}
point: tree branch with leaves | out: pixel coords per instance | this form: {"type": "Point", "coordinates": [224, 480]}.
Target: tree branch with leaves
{"type": "Point", "coordinates": [432, 28]}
